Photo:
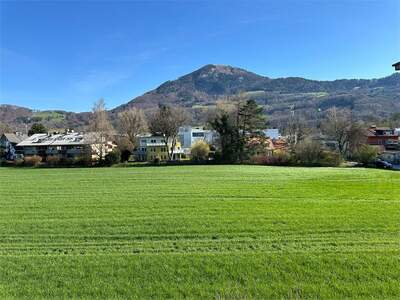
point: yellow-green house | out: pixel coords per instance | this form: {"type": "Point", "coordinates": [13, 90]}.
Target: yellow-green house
{"type": "Point", "coordinates": [152, 147]}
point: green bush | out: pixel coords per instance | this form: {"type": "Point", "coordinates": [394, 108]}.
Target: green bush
{"type": "Point", "coordinates": [83, 160]}
{"type": "Point", "coordinates": [366, 155]}
{"type": "Point", "coordinates": [125, 154]}
{"type": "Point", "coordinates": [330, 159]}
{"type": "Point", "coordinates": [112, 158]}
{"type": "Point", "coordinates": [308, 152]}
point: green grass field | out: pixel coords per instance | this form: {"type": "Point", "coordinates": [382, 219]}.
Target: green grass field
{"type": "Point", "coordinates": [206, 232]}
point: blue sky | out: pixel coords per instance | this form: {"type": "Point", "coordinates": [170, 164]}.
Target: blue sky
{"type": "Point", "coordinates": [67, 54]}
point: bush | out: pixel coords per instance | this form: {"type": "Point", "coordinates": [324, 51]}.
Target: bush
{"type": "Point", "coordinates": [330, 159]}
{"type": "Point", "coordinates": [366, 155]}
{"type": "Point", "coordinates": [82, 160]}
{"type": "Point", "coordinates": [52, 161]}
{"type": "Point", "coordinates": [125, 154]}
{"type": "Point", "coordinates": [19, 162]}
{"type": "Point", "coordinates": [32, 161]}
{"type": "Point", "coordinates": [112, 158]}
{"type": "Point", "coordinates": [278, 158]}
{"type": "Point", "coordinates": [200, 151]}
{"type": "Point", "coordinates": [308, 152]}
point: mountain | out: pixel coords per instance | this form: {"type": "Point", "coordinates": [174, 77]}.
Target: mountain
{"type": "Point", "coordinates": [370, 99]}
{"type": "Point", "coordinates": [20, 118]}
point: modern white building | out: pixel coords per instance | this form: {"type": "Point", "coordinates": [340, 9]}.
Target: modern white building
{"type": "Point", "coordinates": [189, 135]}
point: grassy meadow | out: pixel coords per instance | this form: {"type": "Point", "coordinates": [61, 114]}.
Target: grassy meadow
{"type": "Point", "coordinates": [205, 232]}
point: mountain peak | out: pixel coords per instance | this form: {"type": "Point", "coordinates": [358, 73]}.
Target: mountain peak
{"type": "Point", "coordinates": [214, 69]}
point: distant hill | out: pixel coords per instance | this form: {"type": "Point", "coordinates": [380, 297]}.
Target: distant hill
{"type": "Point", "coordinates": [20, 118]}
{"type": "Point", "coordinates": [199, 91]}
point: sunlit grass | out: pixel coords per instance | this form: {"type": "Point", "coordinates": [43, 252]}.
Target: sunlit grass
{"type": "Point", "coordinates": [199, 232]}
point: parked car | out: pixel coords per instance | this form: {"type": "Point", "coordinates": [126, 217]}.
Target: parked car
{"type": "Point", "coordinates": [379, 163]}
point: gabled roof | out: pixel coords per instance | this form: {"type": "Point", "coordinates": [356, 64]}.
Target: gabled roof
{"type": "Point", "coordinates": [44, 139]}
{"type": "Point", "coordinates": [15, 138]}
{"type": "Point", "coordinates": [396, 64]}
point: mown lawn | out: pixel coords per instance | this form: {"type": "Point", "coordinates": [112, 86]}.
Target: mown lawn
{"type": "Point", "coordinates": [234, 232]}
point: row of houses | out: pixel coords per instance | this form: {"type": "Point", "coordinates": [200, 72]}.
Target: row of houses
{"type": "Point", "coordinates": [70, 145]}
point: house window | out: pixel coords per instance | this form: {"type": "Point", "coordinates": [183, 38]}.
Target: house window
{"type": "Point", "coordinates": [198, 134]}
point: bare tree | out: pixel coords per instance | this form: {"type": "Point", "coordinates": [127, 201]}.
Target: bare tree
{"type": "Point", "coordinates": [341, 127]}
{"type": "Point", "coordinates": [132, 123]}
{"type": "Point", "coordinates": [296, 130]}
{"type": "Point", "coordinates": [4, 128]}
{"type": "Point", "coordinates": [101, 127]}
{"type": "Point", "coordinates": [165, 121]}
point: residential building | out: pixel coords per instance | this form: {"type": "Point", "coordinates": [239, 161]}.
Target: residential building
{"type": "Point", "coordinates": [384, 137]}
{"type": "Point", "coordinates": [66, 146]}
{"type": "Point", "coordinates": [152, 147]}
{"type": "Point", "coordinates": [9, 142]}
{"type": "Point", "coordinates": [272, 133]}
{"type": "Point", "coordinates": [267, 146]}
{"type": "Point", "coordinates": [189, 135]}
{"type": "Point", "coordinates": [396, 66]}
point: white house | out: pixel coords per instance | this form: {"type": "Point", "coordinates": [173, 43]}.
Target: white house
{"type": "Point", "coordinates": [272, 133]}
{"type": "Point", "coordinates": [189, 135]}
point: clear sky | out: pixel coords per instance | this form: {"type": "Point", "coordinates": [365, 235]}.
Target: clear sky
{"type": "Point", "coordinates": [67, 54]}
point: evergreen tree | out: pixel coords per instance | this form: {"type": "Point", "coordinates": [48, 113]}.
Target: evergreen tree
{"type": "Point", "coordinates": [37, 128]}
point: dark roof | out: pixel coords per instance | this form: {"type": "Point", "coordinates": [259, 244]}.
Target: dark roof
{"type": "Point", "coordinates": [15, 138]}
{"type": "Point", "coordinates": [373, 131]}
{"type": "Point", "coordinates": [396, 64]}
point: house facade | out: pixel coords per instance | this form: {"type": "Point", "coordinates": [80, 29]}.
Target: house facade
{"type": "Point", "coordinates": [9, 142]}
{"type": "Point", "coordinates": [66, 146]}
{"type": "Point", "coordinates": [272, 133]}
{"type": "Point", "coordinates": [152, 147]}
{"type": "Point", "coordinates": [384, 137]}
{"type": "Point", "coordinates": [189, 135]}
